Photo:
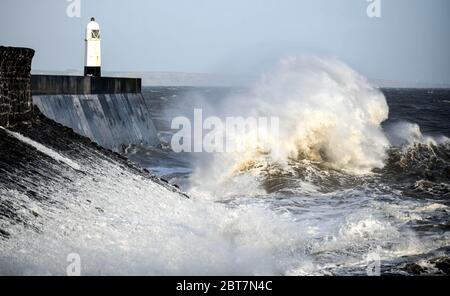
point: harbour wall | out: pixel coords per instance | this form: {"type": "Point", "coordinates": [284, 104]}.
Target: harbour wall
{"type": "Point", "coordinates": [110, 111]}
{"type": "Point", "coordinates": [82, 85]}
{"type": "Point", "coordinates": [114, 121]}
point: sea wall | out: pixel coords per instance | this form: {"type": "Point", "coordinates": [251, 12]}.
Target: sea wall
{"type": "Point", "coordinates": [15, 85]}
{"type": "Point", "coordinates": [110, 111]}
{"type": "Point", "coordinates": [114, 121]}
{"type": "Point", "coordinates": [71, 85]}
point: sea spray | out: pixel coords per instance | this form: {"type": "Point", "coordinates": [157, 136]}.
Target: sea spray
{"type": "Point", "coordinates": [328, 113]}
{"type": "Point", "coordinates": [122, 223]}
{"type": "Point", "coordinates": [405, 133]}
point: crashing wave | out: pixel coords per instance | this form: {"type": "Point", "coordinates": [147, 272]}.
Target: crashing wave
{"type": "Point", "coordinates": [330, 116]}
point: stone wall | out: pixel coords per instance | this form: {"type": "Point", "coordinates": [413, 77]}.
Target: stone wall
{"type": "Point", "coordinates": [15, 84]}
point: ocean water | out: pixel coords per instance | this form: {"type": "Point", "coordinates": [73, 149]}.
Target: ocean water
{"type": "Point", "coordinates": [367, 179]}
{"type": "Point", "coordinates": [356, 182]}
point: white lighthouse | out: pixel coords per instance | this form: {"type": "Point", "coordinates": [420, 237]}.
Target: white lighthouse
{"type": "Point", "coordinates": [93, 61]}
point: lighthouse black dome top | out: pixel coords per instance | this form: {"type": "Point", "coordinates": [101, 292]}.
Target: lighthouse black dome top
{"type": "Point", "coordinates": [92, 19]}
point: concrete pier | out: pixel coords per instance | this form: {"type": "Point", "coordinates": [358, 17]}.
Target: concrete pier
{"type": "Point", "coordinates": [82, 85]}
{"type": "Point", "coordinates": [110, 111]}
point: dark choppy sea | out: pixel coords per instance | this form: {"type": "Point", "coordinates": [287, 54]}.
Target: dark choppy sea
{"type": "Point", "coordinates": [312, 218]}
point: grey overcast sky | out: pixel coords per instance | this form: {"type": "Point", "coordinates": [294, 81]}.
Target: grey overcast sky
{"type": "Point", "coordinates": [410, 42]}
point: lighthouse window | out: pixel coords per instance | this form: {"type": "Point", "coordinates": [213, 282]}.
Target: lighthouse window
{"type": "Point", "coordinates": [95, 34]}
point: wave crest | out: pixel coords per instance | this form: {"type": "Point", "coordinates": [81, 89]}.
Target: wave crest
{"type": "Point", "coordinates": [328, 113]}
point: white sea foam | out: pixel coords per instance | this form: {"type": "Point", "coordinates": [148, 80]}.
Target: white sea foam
{"type": "Point", "coordinates": [328, 113]}
{"type": "Point", "coordinates": [407, 133]}
{"type": "Point", "coordinates": [121, 223]}
{"type": "Point", "coordinates": [133, 227]}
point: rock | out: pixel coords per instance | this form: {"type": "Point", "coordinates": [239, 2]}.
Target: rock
{"type": "Point", "coordinates": [413, 268]}
{"type": "Point", "coordinates": [442, 263]}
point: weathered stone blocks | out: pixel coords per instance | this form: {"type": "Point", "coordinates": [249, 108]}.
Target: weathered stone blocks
{"type": "Point", "coordinates": [15, 84]}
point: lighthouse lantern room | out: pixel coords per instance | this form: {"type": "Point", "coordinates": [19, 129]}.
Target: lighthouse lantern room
{"type": "Point", "coordinates": [92, 66]}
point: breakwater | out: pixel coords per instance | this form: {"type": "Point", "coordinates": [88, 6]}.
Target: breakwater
{"type": "Point", "coordinates": [109, 111]}
{"type": "Point", "coordinates": [78, 85]}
